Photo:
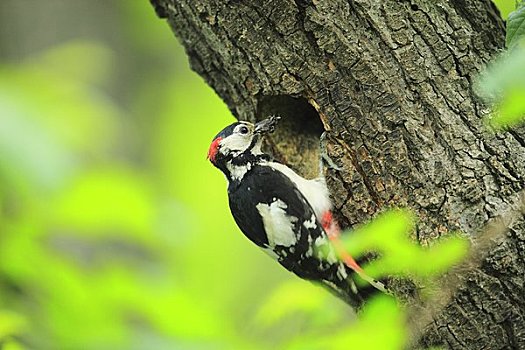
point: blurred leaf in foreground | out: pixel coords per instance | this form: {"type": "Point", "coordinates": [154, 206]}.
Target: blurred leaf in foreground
{"type": "Point", "coordinates": [388, 235]}
{"type": "Point", "coordinates": [381, 326]}
{"type": "Point", "coordinates": [295, 297]}
{"type": "Point", "coordinates": [515, 26]}
{"type": "Point", "coordinates": [381, 323]}
{"type": "Point", "coordinates": [503, 84]}
{"type": "Point", "coordinates": [505, 7]}
{"type": "Point", "coordinates": [11, 323]}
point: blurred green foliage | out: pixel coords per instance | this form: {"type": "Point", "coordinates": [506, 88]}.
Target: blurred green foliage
{"type": "Point", "coordinates": [380, 326]}
{"type": "Point", "coordinates": [505, 7]}
{"type": "Point", "coordinates": [515, 26]}
{"type": "Point", "coordinates": [114, 230]}
{"type": "Point", "coordinates": [388, 234]}
{"type": "Point", "coordinates": [503, 82]}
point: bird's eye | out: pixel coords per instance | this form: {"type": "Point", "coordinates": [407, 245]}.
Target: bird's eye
{"type": "Point", "coordinates": [243, 130]}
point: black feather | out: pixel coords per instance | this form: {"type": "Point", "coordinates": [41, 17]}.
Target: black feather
{"type": "Point", "coordinates": [264, 184]}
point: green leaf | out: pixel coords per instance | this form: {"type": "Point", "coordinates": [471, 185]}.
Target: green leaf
{"type": "Point", "coordinates": [505, 7]}
{"type": "Point", "coordinates": [389, 234]}
{"type": "Point", "coordinates": [504, 74]}
{"type": "Point", "coordinates": [511, 109]}
{"type": "Point", "coordinates": [291, 297]}
{"type": "Point", "coordinates": [11, 323]}
{"type": "Point", "coordinates": [380, 326]}
{"type": "Point", "coordinates": [503, 84]}
{"type": "Point", "coordinates": [515, 27]}
{"type": "Point", "coordinates": [12, 345]}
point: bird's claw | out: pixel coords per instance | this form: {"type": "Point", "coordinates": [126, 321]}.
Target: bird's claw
{"type": "Point", "coordinates": [325, 158]}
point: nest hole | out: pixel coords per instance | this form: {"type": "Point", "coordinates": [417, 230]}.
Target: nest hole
{"type": "Point", "coordinates": [296, 138]}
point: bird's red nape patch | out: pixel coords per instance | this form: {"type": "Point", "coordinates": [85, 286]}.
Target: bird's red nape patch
{"type": "Point", "coordinates": [214, 148]}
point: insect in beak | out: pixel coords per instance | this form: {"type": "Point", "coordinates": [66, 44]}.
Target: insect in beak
{"type": "Point", "coordinates": [267, 125]}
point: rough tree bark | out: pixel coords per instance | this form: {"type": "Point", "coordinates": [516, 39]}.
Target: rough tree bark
{"type": "Point", "coordinates": [392, 81]}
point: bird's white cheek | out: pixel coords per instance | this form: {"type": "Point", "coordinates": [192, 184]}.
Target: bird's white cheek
{"type": "Point", "coordinates": [235, 143]}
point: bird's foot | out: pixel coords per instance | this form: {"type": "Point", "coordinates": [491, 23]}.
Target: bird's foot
{"type": "Point", "coordinates": [325, 159]}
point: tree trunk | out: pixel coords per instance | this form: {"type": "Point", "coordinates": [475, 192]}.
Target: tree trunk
{"type": "Point", "coordinates": [392, 81]}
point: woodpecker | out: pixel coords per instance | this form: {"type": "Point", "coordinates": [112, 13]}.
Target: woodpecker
{"type": "Point", "coordinates": [286, 215]}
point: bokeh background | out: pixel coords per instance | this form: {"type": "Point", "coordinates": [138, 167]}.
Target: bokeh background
{"type": "Point", "coordinates": [114, 229]}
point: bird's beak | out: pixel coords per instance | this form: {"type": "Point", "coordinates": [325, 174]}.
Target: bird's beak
{"type": "Point", "coordinates": [266, 126]}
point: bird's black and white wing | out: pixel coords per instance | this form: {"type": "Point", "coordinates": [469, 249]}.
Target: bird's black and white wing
{"type": "Point", "coordinates": [273, 213]}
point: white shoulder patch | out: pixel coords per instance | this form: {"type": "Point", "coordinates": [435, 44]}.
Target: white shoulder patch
{"type": "Point", "coordinates": [278, 225]}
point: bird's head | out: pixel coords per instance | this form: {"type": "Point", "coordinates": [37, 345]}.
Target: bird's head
{"type": "Point", "coordinates": [240, 139]}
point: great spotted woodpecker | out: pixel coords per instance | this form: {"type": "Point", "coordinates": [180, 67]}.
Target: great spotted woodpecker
{"type": "Point", "coordinates": [285, 214]}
